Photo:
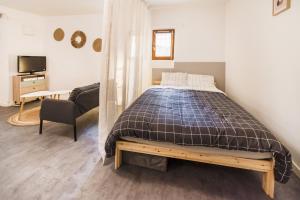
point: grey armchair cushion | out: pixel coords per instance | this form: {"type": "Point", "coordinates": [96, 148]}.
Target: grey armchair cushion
{"type": "Point", "coordinates": [79, 90]}
{"type": "Point", "coordinates": [87, 100]}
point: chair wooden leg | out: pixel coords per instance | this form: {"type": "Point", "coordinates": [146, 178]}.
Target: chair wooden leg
{"type": "Point", "coordinates": [41, 127]}
{"type": "Point", "coordinates": [118, 158]}
{"type": "Point", "coordinates": [75, 132]}
{"type": "Point", "coordinates": [269, 183]}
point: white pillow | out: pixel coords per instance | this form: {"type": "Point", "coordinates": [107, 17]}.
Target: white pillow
{"type": "Point", "coordinates": [174, 79]}
{"type": "Point", "coordinates": [201, 81]}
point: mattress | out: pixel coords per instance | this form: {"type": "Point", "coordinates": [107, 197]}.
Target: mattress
{"type": "Point", "coordinates": [205, 150]}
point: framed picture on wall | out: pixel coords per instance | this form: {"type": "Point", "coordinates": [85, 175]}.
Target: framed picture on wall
{"type": "Point", "coordinates": [280, 6]}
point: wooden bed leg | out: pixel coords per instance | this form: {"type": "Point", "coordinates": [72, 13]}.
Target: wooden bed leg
{"type": "Point", "coordinates": [118, 158]}
{"type": "Point", "coordinates": [269, 183]}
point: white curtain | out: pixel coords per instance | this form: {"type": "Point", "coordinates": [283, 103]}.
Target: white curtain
{"type": "Point", "coordinates": [126, 70]}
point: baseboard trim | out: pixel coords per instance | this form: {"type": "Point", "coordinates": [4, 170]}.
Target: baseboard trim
{"type": "Point", "coordinates": [296, 169]}
{"type": "Point", "coordinates": [4, 104]}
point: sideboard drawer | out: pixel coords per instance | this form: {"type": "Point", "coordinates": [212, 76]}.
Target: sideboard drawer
{"type": "Point", "coordinates": [31, 89]}
{"type": "Point", "coordinates": [32, 83]}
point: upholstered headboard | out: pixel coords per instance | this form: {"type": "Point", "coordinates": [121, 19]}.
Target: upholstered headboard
{"type": "Point", "coordinates": [216, 69]}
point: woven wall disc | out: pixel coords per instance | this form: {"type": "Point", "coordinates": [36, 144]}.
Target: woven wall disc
{"type": "Point", "coordinates": [97, 45]}
{"type": "Point", "coordinates": [59, 34]}
{"type": "Point", "coordinates": [78, 39]}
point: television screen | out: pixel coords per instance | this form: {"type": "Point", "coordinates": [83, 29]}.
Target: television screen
{"type": "Point", "coordinates": [30, 64]}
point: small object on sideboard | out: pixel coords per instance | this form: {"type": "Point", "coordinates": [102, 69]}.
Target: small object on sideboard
{"type": "Point", "coordinates": [24, 84]}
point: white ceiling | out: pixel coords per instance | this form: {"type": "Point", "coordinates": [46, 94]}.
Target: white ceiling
{"type": "Point", "coordinates": [162, 3]}
{"type": "Point", "coordinates": [55, 7]}
{"type": "Point", "coordinates": [168, 2]}
{"type": "Point", "coordinates": [78, 7]}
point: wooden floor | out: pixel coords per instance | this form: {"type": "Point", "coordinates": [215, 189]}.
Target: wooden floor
{"type": "Point", "coordinates": [52, 166]}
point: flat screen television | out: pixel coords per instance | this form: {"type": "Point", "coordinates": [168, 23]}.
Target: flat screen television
{"type": "Point", "coordinates": [31, 64]}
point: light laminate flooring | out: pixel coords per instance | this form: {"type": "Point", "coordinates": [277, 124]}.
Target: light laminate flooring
{"type": "Point", "coordinates": [53, 166]}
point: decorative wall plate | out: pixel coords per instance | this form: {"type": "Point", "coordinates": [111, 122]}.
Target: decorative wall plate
{"type": "Point", "coordinates": [78, 39]}
{"type": "Point", "coordinates": [97, 45]}
{"type": "Point", "coordinates": [59, 34]}
{"type": "Point", "coordinates": [280, 6]}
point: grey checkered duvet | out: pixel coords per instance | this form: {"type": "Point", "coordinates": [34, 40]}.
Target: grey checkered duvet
{"type": "Point", "coordinates": [198, 118]}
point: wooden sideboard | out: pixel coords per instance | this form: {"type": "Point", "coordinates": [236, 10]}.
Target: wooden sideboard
{"type": "Point", "coordinates": [24, 84]}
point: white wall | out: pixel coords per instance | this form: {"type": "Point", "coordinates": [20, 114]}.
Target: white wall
{"type": "Point", "coordinates": [69, 67]}
{"type": "Point", "coordinates": [3, 70]}
{"type": "Point", "coordinates": [263, 66]}
{"type": "Point", "coordinates": [22, 34]}
{"type": "Point", "coordinates": [199, 30]}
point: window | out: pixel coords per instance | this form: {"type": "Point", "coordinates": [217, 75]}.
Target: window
{"type": "Point", "coordinates": [163, 44]}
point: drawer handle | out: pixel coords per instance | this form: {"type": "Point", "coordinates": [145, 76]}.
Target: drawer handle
{"type": "Point", "coordinates": [34, 88]}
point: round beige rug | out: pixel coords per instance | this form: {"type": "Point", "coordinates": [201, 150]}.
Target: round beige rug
{"type": "Point", "coordinates": [28, 118]}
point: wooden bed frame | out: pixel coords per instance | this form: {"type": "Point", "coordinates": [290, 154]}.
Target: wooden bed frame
{"type": "Point", "coordinates": [264, 166]}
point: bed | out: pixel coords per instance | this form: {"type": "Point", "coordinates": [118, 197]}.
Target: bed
{"type": "Point", "coordinates": [185, 121]}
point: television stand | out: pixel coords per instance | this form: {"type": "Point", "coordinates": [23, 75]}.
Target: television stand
{"type": "Point", "coordinates": [29, 83]}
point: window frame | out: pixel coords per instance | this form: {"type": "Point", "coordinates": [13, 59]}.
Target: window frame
{"type": "Point", "coordinates": [154, 32]}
